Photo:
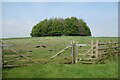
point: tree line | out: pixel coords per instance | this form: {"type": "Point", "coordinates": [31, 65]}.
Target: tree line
{"type": "Point", "coordinates": [58, 27]}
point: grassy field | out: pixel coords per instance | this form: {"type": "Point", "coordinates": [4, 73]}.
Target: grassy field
{"type": "Point", "coordinates": [55, 68]}
{"type": "Point", "coordinates": [108, 70]}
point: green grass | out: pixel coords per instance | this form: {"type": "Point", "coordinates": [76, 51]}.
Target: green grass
{"type": "Point", "coordinates": [108, 70]}
{"type": "Point", "coordinates": [54, 69]}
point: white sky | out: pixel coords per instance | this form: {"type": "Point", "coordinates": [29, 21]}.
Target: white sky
{"type": "Point", "coordinates": [18, 18]}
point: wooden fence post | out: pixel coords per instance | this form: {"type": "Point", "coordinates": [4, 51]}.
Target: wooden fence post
{"type": "Point", "coordinates": [97, 46]}
{"type": "Point", "coordinates": [73, 52]}
{"type": "Point", "coordinates": [76, 53]}
{"type": "Point", "coordinates": [1, 50]}
{"type": "Point", "coordinates": [92, 47]}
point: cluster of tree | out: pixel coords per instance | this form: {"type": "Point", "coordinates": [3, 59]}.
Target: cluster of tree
{"type": "Point", "coordinates": [59, 26]}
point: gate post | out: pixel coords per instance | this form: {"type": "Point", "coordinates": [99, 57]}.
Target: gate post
{"type": "Point", "coordinates": [73, 52]}
{"type": "Point", "coordinates": [97, 46]}
{"type": "Point", "coordinates": [76, 53]}
{"type": "Point", "coordinates": [1, 64]}
{"type": "Point", "coordinates": [1, 50]}
{"type": "Point", "coordinates": [92, 45]}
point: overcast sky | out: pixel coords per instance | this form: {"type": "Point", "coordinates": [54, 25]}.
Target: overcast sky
{"type": "Point", "coordinates": [18, 18]}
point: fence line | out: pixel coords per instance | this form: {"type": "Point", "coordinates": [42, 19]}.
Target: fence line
{"type": "Point", "coordinates": [98, 51]}
{"type": "Point", "coordinates": [109, 48]}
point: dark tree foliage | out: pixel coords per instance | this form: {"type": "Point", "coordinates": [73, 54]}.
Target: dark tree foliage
{"type": "Point", "coordinates": [58, 27]}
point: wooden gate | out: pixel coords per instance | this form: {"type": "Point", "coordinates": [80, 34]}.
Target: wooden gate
{"type": "Point", "coordinates": [96, 53]}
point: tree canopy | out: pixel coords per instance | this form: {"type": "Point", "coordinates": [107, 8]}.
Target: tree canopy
{"type": "Point", "coordinates": [59, 26]}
